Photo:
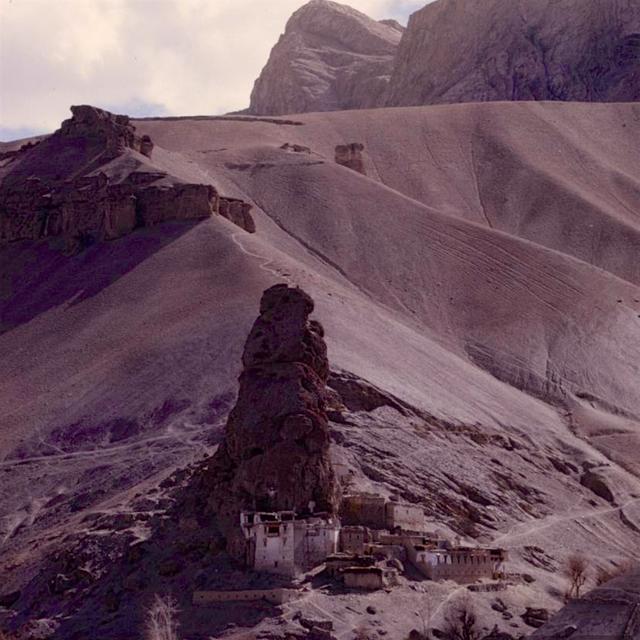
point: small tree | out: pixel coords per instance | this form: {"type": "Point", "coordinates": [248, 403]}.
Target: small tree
{"type": "Point", "coordinates": [576, 570]}
{"type": "Point", "coordinates": [161, 619]}
{"type": "Point", "coordinates": [461, 622]}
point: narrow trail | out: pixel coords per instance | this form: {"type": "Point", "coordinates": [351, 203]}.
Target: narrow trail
{"type": "Point", "coordinates": [341, 626]}
{"type": "Point", "coordinates": [99, 452]}
{"type": "Point", "coordinates": [438, 609]}
{"type": "Point", "coordinates": [264, 262]}
{"type": "Point", "coordinates": [552, 520]}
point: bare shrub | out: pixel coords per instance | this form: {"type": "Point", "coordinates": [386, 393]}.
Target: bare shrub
{"type": "Point", "coordinates": [576, 569]}
{"type": "Point", "coordinates": [604, 574]}
{"type": "Point", "coordinates": [162, 621]}
{"type": "Point", "coordinates": [461, 622]}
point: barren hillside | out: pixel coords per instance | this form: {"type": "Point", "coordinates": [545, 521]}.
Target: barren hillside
{"type": "Point", "coordinates": [480, 273]}
{"type": "Point", "coordinates": [332, 58]}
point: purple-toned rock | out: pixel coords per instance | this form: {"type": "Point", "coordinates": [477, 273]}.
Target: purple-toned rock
{"type": "Point", "coordinates": [350, 156]}
{"type": "Point", "coordinates": [275, 455]}
{"type": "Point", "coordinates": [85, 183]}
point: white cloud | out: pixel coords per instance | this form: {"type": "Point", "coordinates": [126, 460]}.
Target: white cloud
{"type": "Point", "coordinates": [141, 56]}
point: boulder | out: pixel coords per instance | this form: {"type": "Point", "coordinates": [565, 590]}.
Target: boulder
{"type": "Point", "coordinates": [596, 483]}
{"type": "Point", "coordinates": [535, 617]}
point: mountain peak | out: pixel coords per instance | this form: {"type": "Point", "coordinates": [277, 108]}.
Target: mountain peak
{"type": "Point", "coordinates": [330, 57]}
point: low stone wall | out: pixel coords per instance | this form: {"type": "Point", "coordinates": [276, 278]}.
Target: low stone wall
{"type": "Point", "coordinates": [488, 587]}
{"type": "Point", "coordinates": [275, 596]}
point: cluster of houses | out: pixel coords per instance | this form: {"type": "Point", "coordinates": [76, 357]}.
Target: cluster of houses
{"type": "Point", "coordinates": [367, 547]}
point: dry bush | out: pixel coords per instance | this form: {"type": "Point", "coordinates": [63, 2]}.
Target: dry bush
{"type": "Point", "coordinates": [461, 622]}
{"type": "Point", "coordinates": [162, 621]}
{"type": "Point", "coordinates": [576, 569]}
{"type": "Point", "coordinates": [605, 574]}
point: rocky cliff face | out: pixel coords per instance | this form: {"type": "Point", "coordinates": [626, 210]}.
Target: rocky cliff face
{"type": "Point", "coordinates": [330, 57]}
{"type": "Point", "coordinates": [275, 455]}
{"type": "Point", "coordinates": [333, 58]}
{"type": "Point", "coordinates": [478, 50]}
{"type": "Point", "coordinates": [92, 180]}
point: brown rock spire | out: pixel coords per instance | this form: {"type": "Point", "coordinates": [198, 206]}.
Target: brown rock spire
{"type": "Point", "coordinates": [275, 455]}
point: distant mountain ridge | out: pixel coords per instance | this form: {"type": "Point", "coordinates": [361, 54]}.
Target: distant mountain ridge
{"type": "Point", "coordinates": [332, 57]}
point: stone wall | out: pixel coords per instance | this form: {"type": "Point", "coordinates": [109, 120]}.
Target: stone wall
{"type": "Point", "coordinates": [405, 516]}
{"type": "Point", "coordinates": [314, 541]}
{"type": "Point", "coordinates": [462, 565]}
{"type": "Point", "coordinates": [367, 510]}
{"type": "Point", "coordinates": [275, 596]}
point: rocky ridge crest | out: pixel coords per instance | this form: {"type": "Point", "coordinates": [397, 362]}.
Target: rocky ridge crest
{"type": "Point", "coordinates": [93, 180]}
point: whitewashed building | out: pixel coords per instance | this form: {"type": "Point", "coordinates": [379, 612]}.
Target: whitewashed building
{"type": "Point", "coordinates": [279, 543]}
{"type": "Point", "coordinates": [407, 517]}
{"type": "Point", "coordinates": [462, 564]}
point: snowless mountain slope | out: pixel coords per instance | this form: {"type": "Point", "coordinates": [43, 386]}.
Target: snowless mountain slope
{"type": "Point", "coordinates": [478, 50]}
{"type": "Point", "coordinates": [330, 57]}
{"type": "Point", "coordinates": [513, 342]}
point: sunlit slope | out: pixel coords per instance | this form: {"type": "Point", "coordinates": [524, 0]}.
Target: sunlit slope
{"type": "Point", "coordinates": [515, 298]}
{"type": "Point", "coordinates": [484, 272]}
{"type": "Point", "coordinates": [562, 175]}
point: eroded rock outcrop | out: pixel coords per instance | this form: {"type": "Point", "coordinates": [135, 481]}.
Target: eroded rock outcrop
{"type": "Point", "coordinates": [350, 156]}
{"type": "Point", "coordinates": [114, 132]}
{"type": "Point", "coordinates": [275, 455]}
{"type": "Point", "coordinates": [88, 182]}
{"type": "Point", "coordinates": [595, 482]}
{"type": "Point", "coordinates": [330, 57]}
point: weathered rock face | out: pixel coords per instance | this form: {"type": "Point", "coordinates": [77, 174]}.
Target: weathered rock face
{"type": "Point", "coordinates": [66, 186]}
{"type": "Point", "coordinates": [114, 132]}
{"type": "Point", "coordinates": [90, 208]}
{"type": "Point", "coordinates": [479, 50]}
{"type": "Point", "coordinates": [157, 204]}
{"type": "Point", "coordinates": [350, 156]}
{"type": "Point", "coordinates": [330, 57]}
{"type": "Point", "coordinates": [597, 483]}
{"type": "Point", "coordinates": [334, 58]}
{"type": "Point", "coordinates": [238, 212]}
{"type": "Point", "coordinates": [275, 455]}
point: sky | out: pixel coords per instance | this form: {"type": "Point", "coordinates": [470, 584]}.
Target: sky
{"type": "Point", "coordinates": [139, 57]}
